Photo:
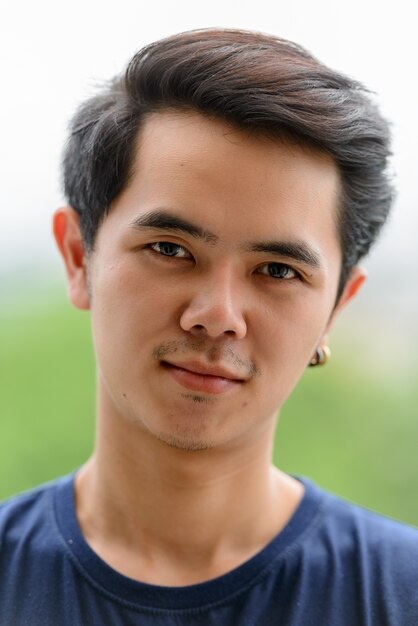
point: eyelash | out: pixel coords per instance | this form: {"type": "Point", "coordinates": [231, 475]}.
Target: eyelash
{"type": "Point", "coordinates": [282, 266]}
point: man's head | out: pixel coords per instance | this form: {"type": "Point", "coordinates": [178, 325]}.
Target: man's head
{"type": "Point", "coordinates": [260, 84]}
{"type": "Point", "coordinates": [210, 230]}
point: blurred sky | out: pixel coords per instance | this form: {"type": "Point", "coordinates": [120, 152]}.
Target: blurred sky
{"type": "Point", "coordinates": [53, 54]}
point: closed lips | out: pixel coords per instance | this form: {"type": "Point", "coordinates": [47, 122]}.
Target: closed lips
{"type": "Point", "coordinates": [203, 370]}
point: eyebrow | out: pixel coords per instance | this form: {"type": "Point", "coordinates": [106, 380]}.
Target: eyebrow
{"type": "Point", "coordinates": [164, 219]}
{"type": "Point", "coordinates": [296, 250]}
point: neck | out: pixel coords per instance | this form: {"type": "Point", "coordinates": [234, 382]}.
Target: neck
{"type": "Point", "coordinates": [181, 516]}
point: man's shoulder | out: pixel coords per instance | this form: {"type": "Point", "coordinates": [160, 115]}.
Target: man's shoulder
{"type": "Point", "coordinates": [357, 565]}
{"type": "Point", "coordinates": [21, 513]}
{"type": "Point", "coordinates": [369, 535]}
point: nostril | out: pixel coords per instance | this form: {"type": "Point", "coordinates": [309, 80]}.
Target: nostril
{"type": "Point", "coordinates": [198, 329]}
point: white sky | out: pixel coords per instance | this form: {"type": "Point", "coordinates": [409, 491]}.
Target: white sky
{"type": "Point", "coordinates": [53, 53]}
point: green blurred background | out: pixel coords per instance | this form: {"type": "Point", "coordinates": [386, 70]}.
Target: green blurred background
{"type": "Point", "coordinates": [351, 426]}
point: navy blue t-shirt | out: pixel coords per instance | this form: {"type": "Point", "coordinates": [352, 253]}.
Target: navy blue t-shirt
{"type": "Point", "coordinates": [334, 564]}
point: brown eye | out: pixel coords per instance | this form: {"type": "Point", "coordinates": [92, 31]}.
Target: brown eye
{"type": "Point", "coordinates": [278, 270]}
{"type": "Point", "coordinates": [167, 248]}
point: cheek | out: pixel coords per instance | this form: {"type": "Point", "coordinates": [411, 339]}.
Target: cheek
{"type": "Point", "coordinates": [287, 335]}
{"type": "Point", "coordinates": [129, 311]}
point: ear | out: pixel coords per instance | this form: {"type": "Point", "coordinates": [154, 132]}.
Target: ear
{"type": "Point", "coordinates": [70, 244]}
{"type": "Point", "coordinates": [355, 281]}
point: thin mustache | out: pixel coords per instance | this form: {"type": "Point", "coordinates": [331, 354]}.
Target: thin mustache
{"type": "Point", "coordinates": [212, 353]}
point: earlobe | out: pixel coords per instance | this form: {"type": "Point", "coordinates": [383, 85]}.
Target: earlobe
{"type": "Point", "coordinates": [68, 237]}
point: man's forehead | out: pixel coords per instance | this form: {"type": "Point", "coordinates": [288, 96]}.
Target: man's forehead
{"type": "Point", "coordinates": [173, 147]}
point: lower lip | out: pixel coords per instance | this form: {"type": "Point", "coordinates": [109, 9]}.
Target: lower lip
{"type": "Point", "coordinates": [201, 382]}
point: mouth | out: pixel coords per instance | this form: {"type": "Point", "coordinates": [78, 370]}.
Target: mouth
{"type": "Point", "coordinates": [206, 379]}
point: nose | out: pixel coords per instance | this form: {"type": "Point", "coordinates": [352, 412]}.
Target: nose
{"type": "Point", "coordinates": [214, 309]}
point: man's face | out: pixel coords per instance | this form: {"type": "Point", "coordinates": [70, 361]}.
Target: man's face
{"type": "Point", "coordinates": [212, 281]}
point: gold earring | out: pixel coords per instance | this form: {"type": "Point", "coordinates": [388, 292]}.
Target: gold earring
{"type": "Point", "coordinates": [321, 356]}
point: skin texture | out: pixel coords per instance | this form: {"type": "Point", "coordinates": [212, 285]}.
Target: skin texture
{"type": "Point", "coordinates": [180, 487]}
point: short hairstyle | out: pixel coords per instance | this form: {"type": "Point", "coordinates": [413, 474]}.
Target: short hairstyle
{"type": "Point", "coordinates": [257, 82]}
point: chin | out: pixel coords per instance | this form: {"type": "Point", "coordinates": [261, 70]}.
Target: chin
{"type": "Point", "coordinates": [185, 442]}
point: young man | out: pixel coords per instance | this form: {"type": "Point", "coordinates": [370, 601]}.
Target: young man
{"type": "Point", "coordinates": [221, 194]}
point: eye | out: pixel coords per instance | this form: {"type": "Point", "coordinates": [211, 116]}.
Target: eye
{"type": "Point", "coordinates": [278, 270]}
{"type": "Point", "coordinates": [167, 248]}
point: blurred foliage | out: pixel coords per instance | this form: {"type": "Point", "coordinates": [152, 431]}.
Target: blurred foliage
{"type": "Point", "coordinates": [47, 394]}
{"type": "Point", "coordinates": [353, 432]}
